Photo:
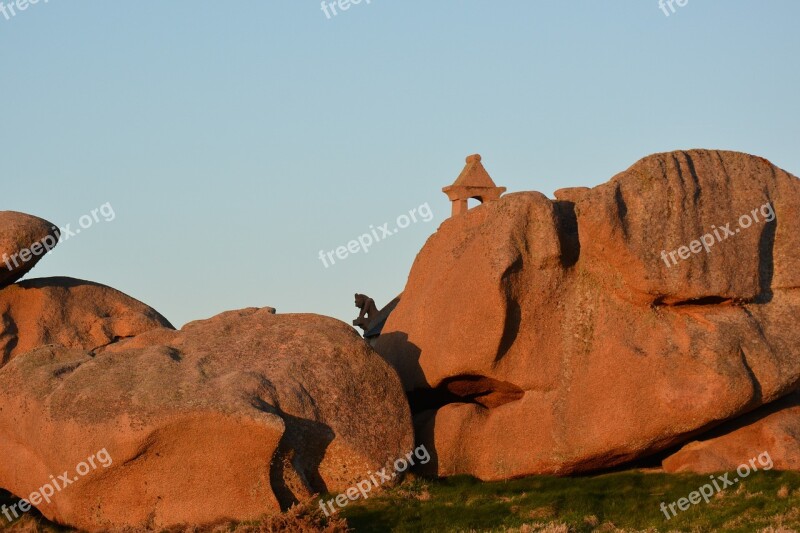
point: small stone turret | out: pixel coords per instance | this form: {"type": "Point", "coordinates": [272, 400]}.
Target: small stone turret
{"type": "Point", "coordinates": [473, 182]}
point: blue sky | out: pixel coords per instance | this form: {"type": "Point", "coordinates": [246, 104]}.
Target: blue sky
{"type": "Point", "coordinates": [236, 140]}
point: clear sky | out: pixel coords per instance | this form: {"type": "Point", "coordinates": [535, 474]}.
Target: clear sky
{"type": "Point", "coordinates": [235, 140]}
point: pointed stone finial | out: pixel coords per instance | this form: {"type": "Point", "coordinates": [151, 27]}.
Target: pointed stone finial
{"type": "Point", "coordinates": [473, 182]}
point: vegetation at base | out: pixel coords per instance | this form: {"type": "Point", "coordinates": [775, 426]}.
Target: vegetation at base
{"type": "Point", "coordinates": [623, 501]}
{"type": "Point", "coordinates": [616, 502]}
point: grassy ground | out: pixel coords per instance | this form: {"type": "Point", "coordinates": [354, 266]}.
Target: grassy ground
{"type": "Point", "coordinates": [626, 501]}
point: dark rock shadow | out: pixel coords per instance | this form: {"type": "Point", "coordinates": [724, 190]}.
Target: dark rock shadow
{"type": "Point", "coordinates": [567, 228]}
{"type": "Point", "coordinates": [766, 266]}
{"type": "Point", "coordinates": [487, 392]}
{"type": "Point", "coordinates": [299, 454]}
{"type": "Point", "coordinates": [8, 500]}
{"type": "Point", "coordinates": [402, 355]}
{"type": "Point", "coordinates": [513, 311]}
{"type": "Point", "coordinates": [424, 429]}
{"type": "Point", "coordinates": [9, 329]}
{"type": "Point", "coordinates": [622, 210]}
{"type": "Point", "coordinates": [57, 281]}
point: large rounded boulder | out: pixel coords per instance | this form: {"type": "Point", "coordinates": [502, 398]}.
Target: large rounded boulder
{"type": "Point", "coordinates": [24, 239]}
{"type": "Point", "coordinates": [551, 337]}
{"type": "Point", "coordinates": [228, 418]}
{"type": "Point", "coordinates": [71, 313]}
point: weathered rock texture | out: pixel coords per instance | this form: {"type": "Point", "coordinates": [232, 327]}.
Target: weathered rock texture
{"type": "Point", "coordinates": [21, 244]}
{"type": "Point", "coordinates": [550, 337]}
{"type": "Point", "coordinates": [669, 200]}
{"type": "Point", "coordinates": [773, 430]}
{"type": "Point", "coordinates": [69, 312]}
{"type": "Point", "coordinates": [228, 418]}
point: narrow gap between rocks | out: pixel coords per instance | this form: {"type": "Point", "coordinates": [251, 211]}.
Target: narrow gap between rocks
{"type": "Point", "coordinates": [486, 392]}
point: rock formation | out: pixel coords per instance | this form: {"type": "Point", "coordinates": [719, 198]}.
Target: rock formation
{"type": "Point", "coordinates": [228, 418]}
{"type": "Point", "coordinates": [24, 239]}
{"type": "Point", "coordinates": [655, 312]}
{"type": "Point", "coordinates": [68, 312]}
{"type": "Point", "coordinates": [773, 429]}
{"type": "Point", "coordinates": [551, 337]}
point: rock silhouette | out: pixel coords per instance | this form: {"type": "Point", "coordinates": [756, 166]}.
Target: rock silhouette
{"type": "Point", "coordinates": [553, 339]}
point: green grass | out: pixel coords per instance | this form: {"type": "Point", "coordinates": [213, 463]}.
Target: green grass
{"type": "Point", "coordinates": [625, 501]}
{"type": "Point", "coordinates": [628, 500]}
